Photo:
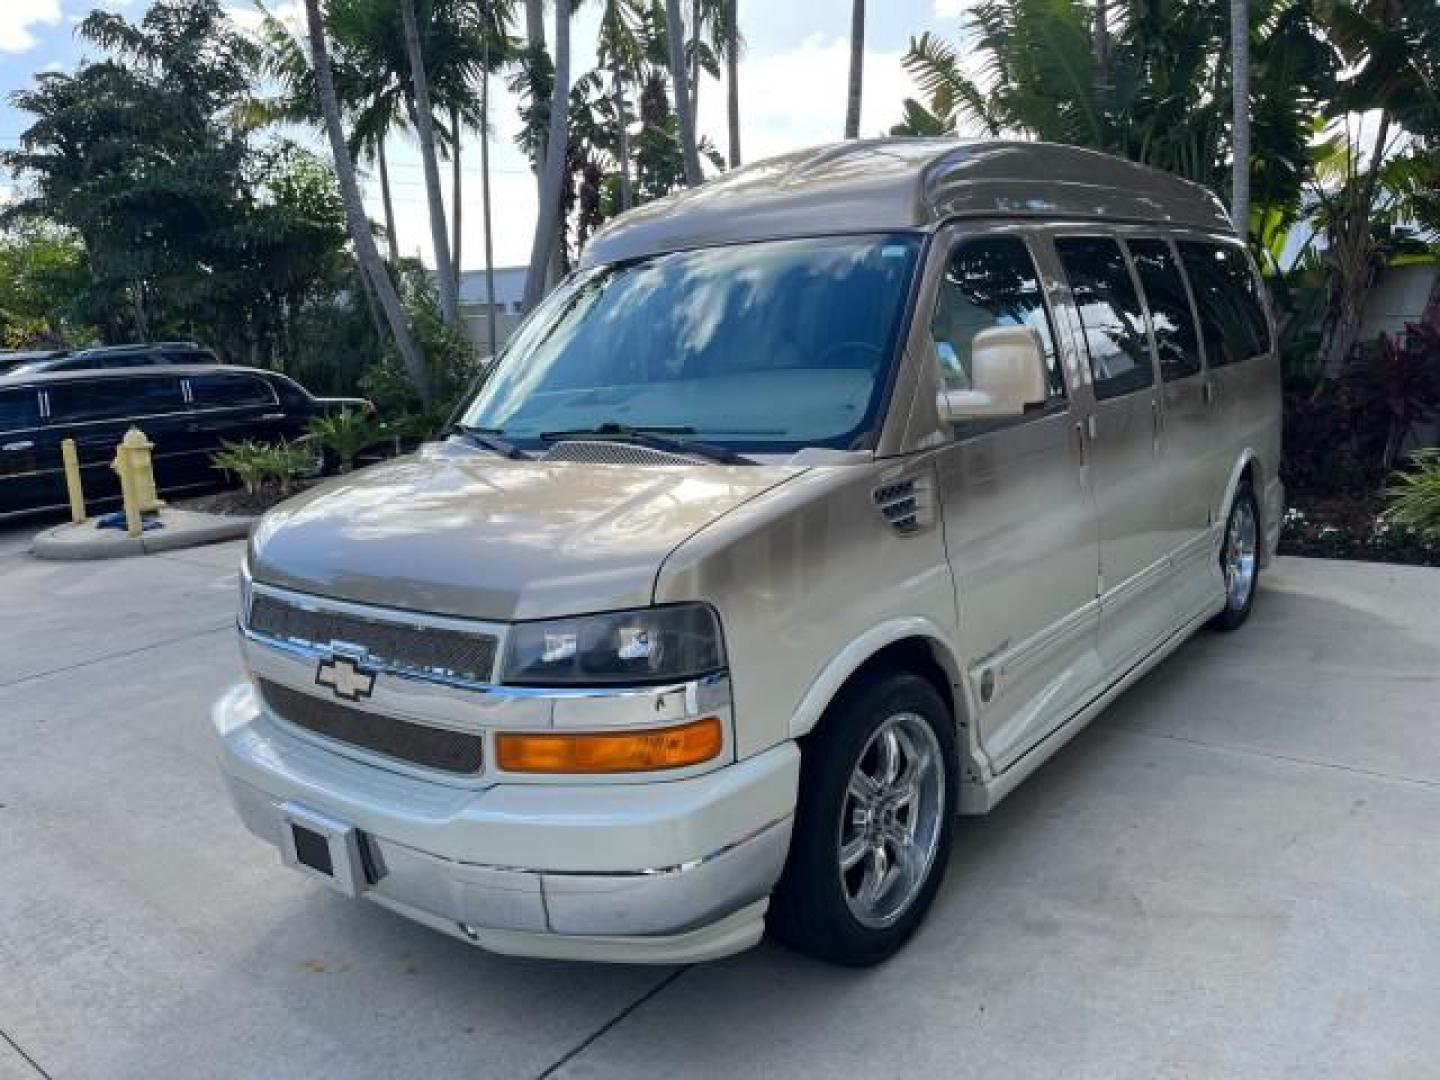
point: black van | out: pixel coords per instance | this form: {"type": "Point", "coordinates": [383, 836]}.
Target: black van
{"type": "Point", "coordinates": [186, 411]}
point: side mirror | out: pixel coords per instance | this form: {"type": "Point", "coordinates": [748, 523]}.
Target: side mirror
{"type": "Point", "coordinates": [1007, 373]}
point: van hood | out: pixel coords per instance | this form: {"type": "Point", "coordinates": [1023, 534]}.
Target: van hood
{"type": "Point", "coordinates": [457, 531]}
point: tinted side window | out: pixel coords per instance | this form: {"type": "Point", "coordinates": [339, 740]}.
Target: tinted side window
{"type": "Point", "coordinates": [114, 399]}
{"type": "Point", "coordinates": [989, 281]}
{"type": "Point", "coordinates": [1109, 313]}
{"type": "Point", "coordinates": [230, 391]}
{"type": "Point", "coordinates": [18, 410]}
{"type": "Point", "coordinates": [1228, 297]}
{"type": "Point", "coordinates": [1176, 339]}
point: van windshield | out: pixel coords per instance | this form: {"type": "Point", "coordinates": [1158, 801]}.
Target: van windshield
{"type": "Point", "coordinates": [761, 347]}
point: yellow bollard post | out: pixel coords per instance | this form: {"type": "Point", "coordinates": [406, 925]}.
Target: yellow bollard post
{"type": "Point", "coordinates": [73, 486]}
{"type": "Point", "coordinates": [137, 479]}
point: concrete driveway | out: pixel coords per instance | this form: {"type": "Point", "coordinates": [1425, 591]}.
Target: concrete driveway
{"type": "Point", "coordinates": [1234, 873]}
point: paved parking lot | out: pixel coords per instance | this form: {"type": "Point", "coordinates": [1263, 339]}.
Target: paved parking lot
{"type": "Point", "coordinates": [1233, 873]}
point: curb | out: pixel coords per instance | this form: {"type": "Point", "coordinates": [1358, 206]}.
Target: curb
{"type": "Point", "coordinates": [183, 529]}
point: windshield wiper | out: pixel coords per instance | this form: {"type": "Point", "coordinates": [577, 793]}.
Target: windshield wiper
{"type": "Point", "coordinates": [653, 436]}
{"type": "Point", "coordinates": [489, 439]}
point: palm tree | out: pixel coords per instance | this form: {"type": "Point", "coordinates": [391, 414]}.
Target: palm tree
{"type": "Point", "coordinates": [620, 49]}
{"type": "Point", "coordinates": [456, 184]}
{"type": "Point", "coordinates": [359, 225]}
{"type": "Point", "coordinates": [1240, 133]}
{"type": "Point", "coordinates": [675, 35]}
{"type": "Point", "coordinates": [494, 20]}
{"type": "Point", "coordinates": [857, 68]}
{"type": "Point", "coordinates": [732, 78]}
{"type": "Point", "coordinates": [424, 121]}
{"type": "Point", "coordinates": [552, 167]}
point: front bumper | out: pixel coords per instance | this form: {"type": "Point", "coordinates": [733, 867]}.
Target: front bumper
{"type": "Point", "coordinates": [663, 872]}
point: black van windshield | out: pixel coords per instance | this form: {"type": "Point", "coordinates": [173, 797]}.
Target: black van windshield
{"type": "Point", "coordinates": [763, 347]}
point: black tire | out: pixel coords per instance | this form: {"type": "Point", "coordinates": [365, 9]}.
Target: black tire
{"type": "Point", "coordinates": [1235, 613]}
{"type": "Point", "coordinates": [809, 911]}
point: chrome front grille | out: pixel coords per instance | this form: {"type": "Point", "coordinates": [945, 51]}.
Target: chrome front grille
{"type": "Point", "coordinates": [417, 744]}
{"type": "Point", "coordinates": [410, 646]}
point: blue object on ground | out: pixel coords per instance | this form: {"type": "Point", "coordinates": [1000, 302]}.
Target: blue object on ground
{"type": "Point", "coordinates": [116, 520]}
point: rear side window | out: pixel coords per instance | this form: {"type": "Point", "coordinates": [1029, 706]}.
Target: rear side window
{"type": "Point", "coordinates": [989, 281]}
{"type": "Point", "coordinates": [113, 399]}
{"type": "Point", "coordinates": [1228, 297]}
{"type": "Point", "coordinates": [229, 391]}
{"type": "Point", "coordinates": [1176, 340]}
{"type": "Point", "coordinates": [18, 410]}
{"type": "Point", "coordinates": [1109, 314]}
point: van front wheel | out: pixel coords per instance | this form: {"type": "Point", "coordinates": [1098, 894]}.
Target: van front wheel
{"type": "Point", "coordinates": [878, 788]}
{"type": "Point", "coordinates": [1239, 559]}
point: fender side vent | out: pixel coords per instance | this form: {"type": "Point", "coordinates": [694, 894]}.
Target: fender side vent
{"type": "Point", "coordinates": [905, 505]}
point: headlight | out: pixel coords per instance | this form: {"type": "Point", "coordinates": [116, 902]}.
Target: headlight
{"type": "Point", "coordinates": [648, 645]}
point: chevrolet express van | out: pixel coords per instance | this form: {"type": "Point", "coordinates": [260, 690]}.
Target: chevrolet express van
{"type": "Point", "coordinates": [821, 504]}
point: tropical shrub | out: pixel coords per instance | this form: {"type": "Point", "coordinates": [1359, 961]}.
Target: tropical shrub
{"type": "Point", "coordinates": [1391, 385]}
{"type": "Point", "coordinates": [345, 435]}
{"type": "Point", "coordinates": [1414, 495]}
{"type": "Point", "coordinates": [258, 465]}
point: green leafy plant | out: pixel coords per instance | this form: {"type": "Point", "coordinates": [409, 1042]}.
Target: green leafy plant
{"type": "Point", "coordinates": [258, 465]}
{"type": "Point", "coordinates": [346, 435]}
{"type": "Point", "coordinates": [1414, 495]}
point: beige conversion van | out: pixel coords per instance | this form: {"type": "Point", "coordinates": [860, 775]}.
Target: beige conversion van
{"type": "Point", "coordinates": [821, 504]}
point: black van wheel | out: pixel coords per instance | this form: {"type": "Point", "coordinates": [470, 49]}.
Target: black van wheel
{"type": "Point", "coordinates": [1240, 559]}
{"type": "Point", "coordinates": [873, 825]}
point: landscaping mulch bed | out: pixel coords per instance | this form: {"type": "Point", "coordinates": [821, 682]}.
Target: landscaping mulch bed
{"type": "Point", "coordinates": [240, 502]}
{"type": "Point", "coordinates": [1353, 527]}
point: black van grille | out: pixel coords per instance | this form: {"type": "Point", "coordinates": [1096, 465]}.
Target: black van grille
{"type": "Point", "coordinates": [421, 648]}
{"type": "Point", "coordinates": [418, 744]}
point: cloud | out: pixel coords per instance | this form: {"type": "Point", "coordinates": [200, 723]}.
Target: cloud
{"type": "Point", "coordinates": [18, 17]}
{"type": "Point", "coordinates": [796, 98]}
{"type": "Point", "coordinates": [248, 16]}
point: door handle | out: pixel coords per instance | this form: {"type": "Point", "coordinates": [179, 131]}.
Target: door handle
{"type": "Point", "coordinates": [1208, 392]}
{"type": "Point", "coordinates": [272, 416]}
{"type": "Point", "coordinates": [1080, 441]}
{"type": "Point", "coordinates": [22, 444]}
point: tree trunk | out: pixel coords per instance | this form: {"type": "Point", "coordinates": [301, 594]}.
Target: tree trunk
{"type": "Point", "coordinates": [485, 203]}
{"type": "Point", "coordinates": [1101, 46]}
{"type": "Point", "coordinates": [1240, 125]}
{"type": "Point", "coordinates": [622, 138]}
{"type": "Point", "coordinates": [732, 81]}
{"type": "Point", "coordinates": [675, 32]}
{"type": "Point", "coordinates": [392, 241]}
{"type": "Point", "coordinates": [455, 193]}
{"type": "Point", "coordinates": [857, 68]}
{"type": "Point", "coordinates": [552, 174]}
{"type": "Point", "coordinates": [535, 38]}
{"type": "Point", "coordinates": [425, 131]}
{"type": "Point", "coordinates": [695, 20]}
{"type": "Point", "coordinates": [1355, 253]}
{"type": "Point", "coordinates": [360, 234]}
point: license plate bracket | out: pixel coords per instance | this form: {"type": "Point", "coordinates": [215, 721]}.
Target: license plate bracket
{"type": "Point", "coordinates": [323, 848]}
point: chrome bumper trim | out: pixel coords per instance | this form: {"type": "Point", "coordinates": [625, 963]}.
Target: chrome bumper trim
{"type": "Point", "coordinates": [470, 897]}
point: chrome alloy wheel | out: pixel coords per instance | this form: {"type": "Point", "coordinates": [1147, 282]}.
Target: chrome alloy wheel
{"type": "Point", "coordinates": [1238, 556]}
{"type": "Point", "coordinates": [890, 820]}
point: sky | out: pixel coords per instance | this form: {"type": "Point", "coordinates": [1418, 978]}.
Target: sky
{"type": "Point", "coordinates": [792, 95]}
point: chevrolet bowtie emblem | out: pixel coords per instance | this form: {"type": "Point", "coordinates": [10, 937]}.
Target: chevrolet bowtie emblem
{"type": "Point", "coordinates": [346, 678]}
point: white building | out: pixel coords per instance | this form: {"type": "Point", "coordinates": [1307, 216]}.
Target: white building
{"type": "Point", "coordinates": [509, 296]}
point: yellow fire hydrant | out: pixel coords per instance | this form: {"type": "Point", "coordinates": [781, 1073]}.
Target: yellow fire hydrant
{"type": "Point", "coordinates": [137, 479]}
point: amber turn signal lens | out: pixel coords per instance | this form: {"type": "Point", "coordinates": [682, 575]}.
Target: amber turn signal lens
{"type": "Point", "coordinates": [610, 751]}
